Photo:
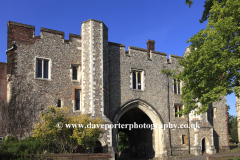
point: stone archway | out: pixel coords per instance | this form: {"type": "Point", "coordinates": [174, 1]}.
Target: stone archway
{"type": "Point", "coordinates": [158, 137]}
{"type": "Point", "coordinates": [101, 146]}
{"type": "Point", "coordinates": [205, 146]}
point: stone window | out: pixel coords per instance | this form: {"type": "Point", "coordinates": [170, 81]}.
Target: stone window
{"type": "Point", "coordinates": [77, 99]}
{"type": "Point", "coordinates": [42, 68]}
{"type": "Point", "coordinates": [1, 139]}
{"type": "Point", "coordinates": [137, 79]}
{"type": "Point", "coordinates": [176, 87]}
{"type": "Point", "coordinates": [74, 76]}
{"type": "Point", "coordinates": [177, 109]}
{"type": "Point", "coordinates": [59, 103]}
{"type": "Point", "coordinates": [74, 71]}
{"type": "Point", "coordinates": [184, 139]}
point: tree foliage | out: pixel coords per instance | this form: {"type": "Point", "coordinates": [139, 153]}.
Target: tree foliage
{"type": "Point", "coordinates": [211, 69]}
{"type": "Point", "coordinates": [66, 138]}
{"type": "Point", "coordinates": [12, 148]}
{"type": "Point", "coordinates": [232, 127]}
{"type": "Point", "coordinates": [208, 5]}
{"type": "Point", "coordinates": [123, 141]}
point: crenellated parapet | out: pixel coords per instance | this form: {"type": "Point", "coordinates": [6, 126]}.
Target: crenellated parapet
{"type": "Point", "coordinates": [150, 54]}
{"type": "Point", "coordinates": [24, 35]}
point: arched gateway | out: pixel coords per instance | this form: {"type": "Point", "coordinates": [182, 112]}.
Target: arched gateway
{"type": "Point", "coordinates": [96, 76]}
{"type": "Point", "coordinates": [147, 112]}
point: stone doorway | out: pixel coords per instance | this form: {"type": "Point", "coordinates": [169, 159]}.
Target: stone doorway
{"type": "Point", "coordinates": [141, 138]}
{"type": "Point", "coordinates": [203, 146]}
{"type": "Point", "coordinates": [144, 143]}
{"type": "Point", "coordinates": [206, 146]}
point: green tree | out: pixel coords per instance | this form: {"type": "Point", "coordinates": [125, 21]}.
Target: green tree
{"type": "Point", "coordinates": [211, 69]}
{"type": "Point", "coordinates": [67, 138]}
{"type": "Point", "coordinates": [123, 141]}
{"type": "Point", "coordinates": [208, 5]}
{"type": "Point", "coordinates": [233, 129]}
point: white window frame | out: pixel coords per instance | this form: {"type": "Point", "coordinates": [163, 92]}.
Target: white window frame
{"type": "Point", "coordinates": [78, 72]}
{"type": "Point", "coordinates": [49, 68]}
{"type": "Point", "coordinates": [142, 79]}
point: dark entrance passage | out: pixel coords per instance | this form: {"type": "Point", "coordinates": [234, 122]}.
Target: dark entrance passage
{"type": "Point", "coordinates": [140, 139]}
{"type": "Point", "coordinates": [203, 146]}
{"type": "Point", "coordinates": [98, 148]}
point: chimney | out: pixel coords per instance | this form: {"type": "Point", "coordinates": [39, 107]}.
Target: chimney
{"type": "Point", "coordinates": [150, 46]}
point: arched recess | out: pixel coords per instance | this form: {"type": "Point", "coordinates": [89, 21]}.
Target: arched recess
{"type": "Point", "coordinates": [205, 141]}
{"type": "Point", "coordinates": [103, 145]}
{"type": "Point", "coordinates": [158, 143]}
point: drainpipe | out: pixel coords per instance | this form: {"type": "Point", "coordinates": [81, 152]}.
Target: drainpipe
{"type": "Point", "coordinates": [13, 47]}
{"type": "Point", "coordinates": [169, 118]}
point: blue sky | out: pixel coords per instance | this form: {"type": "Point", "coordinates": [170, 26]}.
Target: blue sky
{"type": "Point", "coordinates": [130, 22]}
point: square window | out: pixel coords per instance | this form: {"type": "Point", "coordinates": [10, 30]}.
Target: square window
{"type": "Point", "coordinates": [77, 99]}
{"type": "Point", "coordinates": [74, 72]}
{"type": "Point", "coordinates": [176, 87]}
{"type": "Point", "coordinates": [137, 79]}
{"type": "Point", "coordinates": [184, 139]}
{"type": "Point", "coordinates": [45, 73]}
{"type": "Point", "coordinates": [39, 68]}
{"type": "Point", "coordinates": [59, 103]}
{"type": "Point", "coordinates": [42, 68]}
{"type": "Point", "coordinates": [177, 109]}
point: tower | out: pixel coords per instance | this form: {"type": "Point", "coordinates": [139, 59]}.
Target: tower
{"type": "Point", "coordinates": [94, 68]}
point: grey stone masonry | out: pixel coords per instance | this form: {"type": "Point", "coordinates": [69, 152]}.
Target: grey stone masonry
{"type": "Point", "coordinates": [94, 49]}
{"type": "Point", "coordinates": [116, 85]}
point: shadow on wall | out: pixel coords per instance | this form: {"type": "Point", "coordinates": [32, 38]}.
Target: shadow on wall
{"type": "Point", "coordinates": [114, 80]}
{"type": "Point", "coordinates": [20, 113]}
{"type": "Point", "coordinates": [216, 140]}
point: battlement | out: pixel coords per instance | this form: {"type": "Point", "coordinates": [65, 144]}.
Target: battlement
{"type": "Point", "coordinates": [24, 33]}
{"type": "Point", "coordinates": [116, 44]}
{"type": "Point", "coordinates": [95, 21]}
{"type": "Point", "coordinates": [172, 58]}
{"type": "Point", "coordinates": [52, 31]}
{"type": "Point", "coordinates": [20, 24]}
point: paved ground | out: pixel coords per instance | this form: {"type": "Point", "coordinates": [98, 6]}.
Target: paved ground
{"type": "Point", "coordinates": [203, 157]}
